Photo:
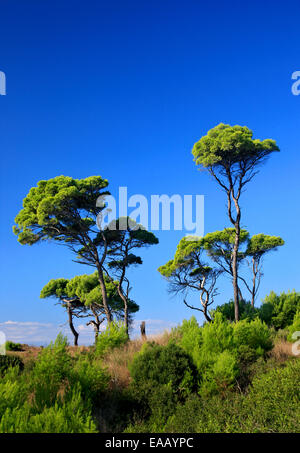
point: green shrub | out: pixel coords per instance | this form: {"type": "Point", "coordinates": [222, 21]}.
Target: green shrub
{"type": "Point", "coordinates": [7, 361]}
{"type": "Point", "coordinates": [295, 327]}
{"type": "Point", "coordinates": [221, 375]}
{"type": "Point", "coordinates": [12, 391]}
{"type": "Point", "coordinates": [254, 334]}
{"type": "Point", "coordinates": [164, 365]}
{"type": "Point", "coordinates": [273, 402]}
{"type": "Point", "coordinates": [71, 417]}
{"type": "Point", "coordinates": [185, 418]}
{"type": "Point", "coordinates": [213, 355]}
{"type": "Point", "coordinates": [271, 405]}
{"type": "Point", "coordinates": [114, 336]}
{"type": "Point", "coordinates": [89, 374]}
{"type": "Point", "coordinates": [246, 310]}
{"type": "Point", "coordinates": [188, 334]}
{"type": "Point", "coordinates": [11, 346]}
{"type": "Point", "coordinates": [211, 414]}
{"type": "Point", "coordinates": [217, 336]}
{"type": "Point", "coordinates": [162, 376]}
{"type": "Point", "coordinates": [279, 311]}
{"type": "Point", "coordinates": [222, 350]}
{"type": "Point", "coordinates": [51, 373]}
{"type": "Point", "coordinates": [204, 343]}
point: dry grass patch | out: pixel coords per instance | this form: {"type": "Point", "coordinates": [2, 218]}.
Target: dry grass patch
{"type": "Point", "coordinates": [118, 359]}
{"type": "Point", "coordinates": [281, 351]}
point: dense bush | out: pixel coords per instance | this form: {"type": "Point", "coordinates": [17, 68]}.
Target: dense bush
{"type": "Point", "coordinates": [276, 310]}
{"type": "Point", "coordinates": [164, 365]}
{"type": "Point", "coordinates": [279, 311]}
{"type": "Point", "coordinates": [221, 350]}
{"type": "Point", "coordinates": [56, 394]}
{"type": "Point", "coordinates": [113, 337]}
{"type": "Point", "coordinates": [273, 402]}
{"type": "Point", "coordinates": [214, 378]}
{"type": "Point", "coordinates": [246, 310]}
{"type": "Point", "coordinates": [71, 416]}
{"type": "Point", "coordinates": [50, 373]}
{"type": "Point", "coordinates": [88, 372]}
{"type": "Point", "coordinates": [7, 361]}
{"type": "Point", "coordinates": [162, 376]}
{"type": "Point", "coordinates": [271, 405]}
{"type": "Point", "coordinates": [11, 346]}
{"type": "Point", "coordinates": [255, 334]}
{"type": "Point", "coordinates": [295, 327]}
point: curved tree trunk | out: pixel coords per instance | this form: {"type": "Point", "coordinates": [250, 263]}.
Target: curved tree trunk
{"type": "Point", "coordinates": [124, 299]}
{"type": "Point", "coordinates": [76, 334]}
{"type": "Point", "coordinates": [104, 294]}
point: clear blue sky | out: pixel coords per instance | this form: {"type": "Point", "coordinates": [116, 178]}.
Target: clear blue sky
{"type": "Point", "coordinates": [123, 89]}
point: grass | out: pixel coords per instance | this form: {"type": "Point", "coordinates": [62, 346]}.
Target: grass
{"type": "Point", "coordinates": [117, 360]}
{"type": "Point", "coordinates": [282, 351]}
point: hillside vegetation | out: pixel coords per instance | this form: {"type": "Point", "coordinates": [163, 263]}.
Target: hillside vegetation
{"type": "Point", "coordinates": [221, 377]}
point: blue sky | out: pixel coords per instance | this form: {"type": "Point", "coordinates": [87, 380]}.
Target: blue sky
{"type": "Point", "coordinates": [123, 89]}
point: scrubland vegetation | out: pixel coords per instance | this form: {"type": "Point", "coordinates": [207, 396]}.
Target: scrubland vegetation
{"type": "Point", "coordinates": [237, 372]}
{"type": "Point", "coordinates": [219, 377]}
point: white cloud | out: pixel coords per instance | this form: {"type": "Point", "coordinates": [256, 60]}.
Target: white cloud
{"type": "Point", "coordinates": [38, 333]}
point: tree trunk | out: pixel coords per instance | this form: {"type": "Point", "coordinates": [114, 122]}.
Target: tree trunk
{"type": "Point", "coordinates": [204, 303]}
{"type": "Point", "coordinates": [253, 282]}
{"type": "Point", "coordinates": [143, 330]}
{"type": "Point", "coordinates": [240, 294]}
{"type": "Point", "coordinates": [124, 298]}
{"type": "Point", "coordinates": [76, 335]}
{"type": "Point", "coordinates": [235, 271]}
{"type": "Point", "coordinates": [104, 294]}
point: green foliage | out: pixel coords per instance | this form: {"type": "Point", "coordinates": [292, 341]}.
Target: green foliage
{"type": "Point", "coordinates": [12, 390]}
{"type": "Point", "coordinates": [88, 372]}
{"type": "Point", "coordinates": [11, 346]}
{"type": "Point", "coordinates": [114, 336]}
{"type": "Point", "coordinates": [185, 418]}
{"type": "Point", "coordinates": [246, 310]}
{"type": "Point", "coordinates": [7, 361]}
{"type": "Point", "coordinates": [295, 327]}
{"type": "Point", "coordinates": [279, 310]}
{"type": "Point", "coordinates": [228, 145]}
{"type": "Point", "coordinates": [189, 335]}
{"type": "Point", "coordinates": [48, 209]}
{"type": "Point", "coordinates": [186, 255]}
{"type": "Point", "coordinates": [255, 334]}
{"type": "Point", "coordinates": [55, 395]}
{"type": "Point", "coordinates": [51, 372]}
{"type": "Point", "coordinates": [273, 402]}
{"type": "Point", "coordinates": [164, 365]}
{"type": "Point", "coordinates": [84, 290]}
{"type": "Point", "coordinates": [217, 336]}
{"type": "Point", "coordinates": [70, 417]}
{"type": "Point", "coordinates": [162, 376]}
{"type": "Point", "coordinates": [259, 244]}
{"type": "Point", "coordinates": [220, 349]}
{"type": "Point", "coordinates": [219, 245]}
{"type": "Point", "coordinates": [271, 405]}
{"type": "Point", "coordinates": [234, 390]}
